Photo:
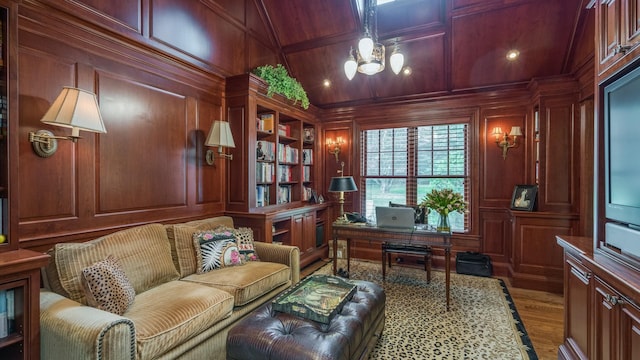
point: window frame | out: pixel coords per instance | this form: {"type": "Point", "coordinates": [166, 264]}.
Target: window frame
{"type": "Point", "coordinates": [412, 177]}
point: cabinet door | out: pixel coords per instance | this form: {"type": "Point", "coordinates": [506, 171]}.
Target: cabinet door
{"type": "Point", "coordinates": [631, 13]}
{"type": "Point", "coordinates": [606, 316]}
{"type": "Point", "coordinates": [577, 305]}
{"type": "Point", "coordinates": [309, 232]}
{"type": "Point", "coordinates": [609, 13]}
{"type": "Point", "coordinates": [630, 331]}
{"type": "Point", "coordinates": [297, 232]}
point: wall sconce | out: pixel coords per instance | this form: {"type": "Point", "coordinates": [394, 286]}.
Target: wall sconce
{"type": "Point", "coordinates": [342, 184]}
{"type": "Point", "coordinates": [73, 108]}
{"type": "Point", "coordinates": [505, 140]}
{"type": "Point", "coordinates": [220, 136]}
{"type": "Point", "coordinates": [334, 146]}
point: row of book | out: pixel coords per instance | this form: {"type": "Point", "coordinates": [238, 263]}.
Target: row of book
{"type": "Point", "coordinates": [264, 122]}
{"type": "Point", "coordinates": [306, 174]}
{"type": "Point", "coordinates": [307, 156]}
{"type": "Point", "coordinates": [284, 130]}
{"type": "Point", "coordinates": [264, 172]}
{"type": "Point", "coordinates": [307, 193]}
{"type": "Point", "coordinates": [265, 150]}
{"type": "Point", "coordinates": [284, 194]}
{"type": "Point", "coordinates": [7, 312]}
{"type": "Point", "coordinates": [285, 174]}
{"type": "Point", "coordinates": [287, 154]}
{"type": "Point", "coordinates": [262, 195]}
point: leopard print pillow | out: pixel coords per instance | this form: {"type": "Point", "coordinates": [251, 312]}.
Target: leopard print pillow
{"type": "Point", "coordinates": [244, 237]}
{"type": "Point", "coordinates": [107, 287]}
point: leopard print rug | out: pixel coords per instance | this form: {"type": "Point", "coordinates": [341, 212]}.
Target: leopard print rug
{"type": "Point", "coordinates": [482, 322]}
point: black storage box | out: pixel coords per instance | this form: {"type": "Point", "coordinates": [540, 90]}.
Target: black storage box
{"type": "Point", "coordinates": [473, 263]}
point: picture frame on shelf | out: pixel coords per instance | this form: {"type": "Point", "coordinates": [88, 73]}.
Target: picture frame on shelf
{"type": "Point", "coordinates": [524, 197]}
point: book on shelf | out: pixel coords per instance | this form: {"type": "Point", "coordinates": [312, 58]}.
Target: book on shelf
{"type": "Point", "coordinates": [284, 194]}
{"type": "Point", "coordinates": [306, 176]}
{"type": "Point", "coordinates": [262, 195]}
{"type": "Point", "coordinates": [287, 154]}
{"type": "Point", "coordinates": [265, 122]}
{"type": "Point", "coordinates": [308, 192]}
{"type": "Point", "coordinates": [264, 172]}
{"type": "Point", "coordinates": [284, 130]}
{"type": "Point", "coordinates": [4, 319]}
{"type": "Point", "coordinates": [285, 174]}
{"type": "Point", "coordinates": [265, 150]}
{"type": "Point", "coordinates": [307, 156]}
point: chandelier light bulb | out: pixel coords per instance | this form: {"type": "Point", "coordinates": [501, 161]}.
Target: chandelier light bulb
{"type": "Point", "coordinates": [350, 66]}
{"type": "Point", "coordinates": [397, 61]}
{"type": "Point", "coordinates": [365, 47]}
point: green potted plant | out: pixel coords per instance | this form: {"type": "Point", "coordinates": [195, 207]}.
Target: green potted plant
{"type": "Point", "coordinates": [281, 83]}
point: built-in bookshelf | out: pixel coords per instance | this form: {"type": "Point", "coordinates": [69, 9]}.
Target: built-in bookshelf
{"type": "Point", "coordinates": [273, 178]}
{"type": "Point", "coordinates": [280, 137]}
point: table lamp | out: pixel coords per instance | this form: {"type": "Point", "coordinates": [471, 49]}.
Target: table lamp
{"type": "Point", "coordinates": [342, 184]}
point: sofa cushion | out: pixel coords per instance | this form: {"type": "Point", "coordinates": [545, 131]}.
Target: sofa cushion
{"type": "Point", "coordinates": [143, 252]}
{"type": "Point", "coordinates": [181, 239]}
{"type": "Point", "coordinates": [107, 287]}
{"type": "Point", "coordinates": [216, 249]}
{"type": "Point", "coordinates": [246, 282]}
{"type": "Point", "coordinates": [244, 238]}
{"type": "Point", "coordinates": [171, 313]}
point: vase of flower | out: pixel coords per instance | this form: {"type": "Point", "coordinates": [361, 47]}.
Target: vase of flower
{"type": "Point", "coordinates": [443, 223]}
{"type": "Point", "coordinates": [444, 202]}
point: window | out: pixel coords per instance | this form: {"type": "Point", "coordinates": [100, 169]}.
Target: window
{"type": "Point", "coordinates": [401, 165]}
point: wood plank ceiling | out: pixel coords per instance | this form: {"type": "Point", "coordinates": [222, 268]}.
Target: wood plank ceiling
{"type": "Point", "coordinates": [451, 46]}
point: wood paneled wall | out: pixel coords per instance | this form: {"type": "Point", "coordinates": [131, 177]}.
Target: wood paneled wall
{"type": "Point", "coordinates": [158, 69]}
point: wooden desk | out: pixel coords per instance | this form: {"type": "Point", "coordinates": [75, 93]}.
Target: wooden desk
{"type": "Point", "coordinates": [436, 240]}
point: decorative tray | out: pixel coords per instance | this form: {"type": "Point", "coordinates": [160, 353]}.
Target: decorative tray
{"type": "Point", "coordinates": [317, 297]}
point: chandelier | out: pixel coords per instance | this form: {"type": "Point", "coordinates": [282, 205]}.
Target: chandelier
{"type": "Point", "coordinates": [370, 55]}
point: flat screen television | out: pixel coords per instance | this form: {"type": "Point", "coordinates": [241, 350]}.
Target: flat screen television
{"type": "Point", "coordinates": [622, 163]}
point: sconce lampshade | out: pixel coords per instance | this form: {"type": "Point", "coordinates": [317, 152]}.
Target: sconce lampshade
{"type": "Point", "coordinates": [515, 131]}
{"type": "Point", "coordinates": [342, 184]}
{"type": "Point", "coordinates": [220, 135]}
{"type": "Point", "coordinates": [77, 109]}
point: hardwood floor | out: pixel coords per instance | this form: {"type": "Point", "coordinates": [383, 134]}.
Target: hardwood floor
{"type": "Point", "coordinates": [543, 316]}
{"type": "Point", "coordinates": [541, 312]}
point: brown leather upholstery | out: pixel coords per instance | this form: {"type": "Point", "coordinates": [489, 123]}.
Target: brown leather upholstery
{"type": "Point", "coordinates": [352, 333]}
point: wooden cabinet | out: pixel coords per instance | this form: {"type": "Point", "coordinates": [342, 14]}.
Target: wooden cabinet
{"type": "Point", "coordinates": [303, 227]}
{"type": "Point", "coordinates": [537, 261]}
{"type": "Point", "coordinates": [578, 286]}
{"type": "Point", "coordinates": [618, 34]}
{"type": "Point", "coordinates": [276, 149]}
{"type": "Point", "coordinates": [20, 280]}
{"type": "Point", "coordinates": [602, 316]}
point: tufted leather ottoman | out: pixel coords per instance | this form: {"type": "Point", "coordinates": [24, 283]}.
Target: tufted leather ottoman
{"type": "Point", "coordinates": [351, 334]}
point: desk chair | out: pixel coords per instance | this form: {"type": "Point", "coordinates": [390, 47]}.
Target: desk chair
{"type": "Point", "coordinates": [407, 249]}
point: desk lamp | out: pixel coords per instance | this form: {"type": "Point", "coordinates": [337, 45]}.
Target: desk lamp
{"type": "Point", "coordinates": [342, 184]}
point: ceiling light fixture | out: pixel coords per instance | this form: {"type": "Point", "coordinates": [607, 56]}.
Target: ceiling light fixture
{"type": "Point", "coordinates": [370, 55]}
{"type": "Point", "coordinates": [513, 54]}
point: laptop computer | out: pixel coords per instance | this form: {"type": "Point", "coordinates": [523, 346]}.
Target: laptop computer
{"type": "Point", "coordinates": [395, 217]}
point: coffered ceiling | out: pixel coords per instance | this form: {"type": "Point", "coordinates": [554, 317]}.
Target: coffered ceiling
{"type": "Point", "coordinates": [451, 46]}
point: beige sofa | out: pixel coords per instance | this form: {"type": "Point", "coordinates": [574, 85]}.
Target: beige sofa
{"type": "Point", "coordinates": [177, 313]}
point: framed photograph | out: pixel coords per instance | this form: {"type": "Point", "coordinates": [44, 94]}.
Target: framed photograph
{"type": "Point", "coordinates": [524, 197]}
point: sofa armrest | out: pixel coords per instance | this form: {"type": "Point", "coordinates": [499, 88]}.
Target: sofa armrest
{"type": "Point", "coordinates": [283, 254]}
{"type": "Point", "coordinates": [70, 330]}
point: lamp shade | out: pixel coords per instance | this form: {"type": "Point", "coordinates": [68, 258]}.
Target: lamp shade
{"type": "Point", "coordinates": [77, 109]}
{"type": "Point", "coordinates": [342, 184]}
{"type": "Point", "coordinates": [515, 131]}
{"type": "Point", "coordinates": [220, 135]}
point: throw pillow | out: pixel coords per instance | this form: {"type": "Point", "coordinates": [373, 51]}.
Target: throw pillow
{"type": "Point", "coordinates": [216, 249]}
{"type": "Point", "coordinates": [244, 237]}
{"type": "Point", "coordinates": [107, 287]}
